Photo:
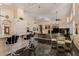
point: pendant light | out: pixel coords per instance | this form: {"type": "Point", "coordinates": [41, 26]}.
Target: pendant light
{"type": "Point", "coordinates": [57, 16]}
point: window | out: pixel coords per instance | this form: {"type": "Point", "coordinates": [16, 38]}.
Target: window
{"type": "Point", "coordinates": [45, 27]}
{"type": "Point", "coordinates": [6, 29]}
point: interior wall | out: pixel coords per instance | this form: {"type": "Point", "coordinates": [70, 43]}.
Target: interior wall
{"type": "Point", "coordinates": [20, 26]}
{"type": "Point", "coordinates": [76, 17]}
{"type": "Point", "coordinates": [6, 11]}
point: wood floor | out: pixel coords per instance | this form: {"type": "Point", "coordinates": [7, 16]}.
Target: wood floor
{"type": "Point", "coordinates": [41, 50]}
{"type": "Point", "coordinates": [46, 50]}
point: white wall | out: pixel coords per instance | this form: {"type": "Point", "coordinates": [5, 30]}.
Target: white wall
{"type": "Point", "coordinates": [6, 11]}
{"type": "Point", "coordinates": [20, 26]}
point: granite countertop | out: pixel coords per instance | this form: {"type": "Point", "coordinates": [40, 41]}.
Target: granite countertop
{"type": "Point", "coordinates": [60, 42]}
{"type": "Point", "coordinates": [53, 39]}
{"type": "Point", "coordinates": [5, 36]}
{"type": "Point", "coordinates": [68, 41]}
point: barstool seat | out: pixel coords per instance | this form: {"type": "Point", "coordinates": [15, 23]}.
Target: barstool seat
{"type": "Point", "coordinates": [12, 40]}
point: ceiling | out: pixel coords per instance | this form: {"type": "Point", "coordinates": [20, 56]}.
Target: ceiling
{"type": "Point", "coordinates": [49, 10]}
{"type": "Point", "coordinates": [45, 10]}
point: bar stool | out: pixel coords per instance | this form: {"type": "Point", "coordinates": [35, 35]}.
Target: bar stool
{"type": "Point", "coordinates": [60, 46]}
{"type": "Point", "coordinates": [27, 38]}
{"type": "Point", "coordinates": [68, 45]}
{"type": "Point", "coordinates": [54, 43]}
{"type": "Point", "coordinates": [12, 40]}
{"type": "Point", "coordinates": [8, 40]}
{"type": "Point", "coordinates": [30, 46]}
